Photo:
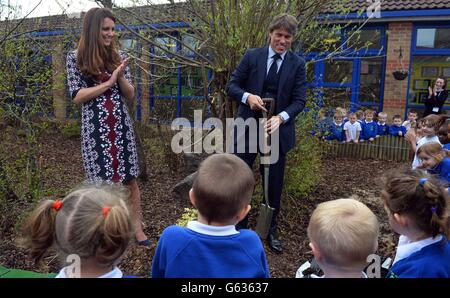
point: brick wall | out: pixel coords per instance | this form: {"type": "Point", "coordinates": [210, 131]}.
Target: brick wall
{"type": "Point", "coordinates": [395, 92]}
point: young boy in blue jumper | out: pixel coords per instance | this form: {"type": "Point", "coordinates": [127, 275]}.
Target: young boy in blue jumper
{"type": "Point", "coordinates": [211, 247]}
{"type": "Point", "coordinates": [412, 120]}
{"type": "Point", "coordinates": [382, 127]}
{"type": "Point", "coordinates": [369, 127]}
{"type": "Point", "coordinates": [417, 207]}
{"type": "Point", "coordinates": [337, 129]}
{"type": "Point", "coordinates": [396, 129]}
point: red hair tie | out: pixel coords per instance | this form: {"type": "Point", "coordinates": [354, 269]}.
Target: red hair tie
{"type": "Point", "coordinates": [105, 210]}
{"type": "Point", "coordinates": [57, 205]}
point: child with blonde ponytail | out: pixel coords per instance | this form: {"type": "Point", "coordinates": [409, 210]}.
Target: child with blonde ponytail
{"type": "Point", "coordinates": [417, 207]}
{"type": "Point", "coordinates": [92, 223]}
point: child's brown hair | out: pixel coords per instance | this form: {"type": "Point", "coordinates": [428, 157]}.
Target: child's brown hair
{"type": "Point", "coordinates": [435, 121]}
{"type": "Point", "coordinates": [223, 186]}
{"type": "Point", "coordinates": [418, 195]}
{"type": "Point", "coordinates": [92, 222]}
{"type": "Point", "coordinates": [397, 117]}
{"type": "Point", "coordinates": [359, 114]}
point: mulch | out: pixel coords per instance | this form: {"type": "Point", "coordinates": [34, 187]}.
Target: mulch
{"type": "Point", "coordinates": [63, 169]}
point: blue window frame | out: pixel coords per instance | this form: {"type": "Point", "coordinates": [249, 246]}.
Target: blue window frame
{"type": "Point", "coordinates": [430, 57]}
{"type": "Point", "coordinates": [367, 70]}
{"type": "Point", "coordinates": [183, 87]}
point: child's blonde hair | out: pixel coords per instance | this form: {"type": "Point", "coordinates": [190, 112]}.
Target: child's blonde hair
{"type": "Point", "coordinates": [341, 111]}
{"type": "Point", "coordinates": [382, 114]}
{"type": "Point", "coordinates": [369, 112]}
{"type": "Point", "coordinates": [92, 222]}
{"type": "Point", "coordinates": [418, 195]}
{"type": "Point", "coordinates": [345, 231]}
{"type": "Point", "coordinates": [337, 116]}
{"type": "Point", "coordinates": [434, 150]}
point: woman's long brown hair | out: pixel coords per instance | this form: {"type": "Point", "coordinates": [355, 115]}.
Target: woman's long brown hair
{"type": "Point", "coordinates": [93, 57]}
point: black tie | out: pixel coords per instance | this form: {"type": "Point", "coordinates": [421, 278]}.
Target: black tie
{"type": "Point", "coordinates": [274, 67]}
{"type": "Point", "coordinates": [272, 78]}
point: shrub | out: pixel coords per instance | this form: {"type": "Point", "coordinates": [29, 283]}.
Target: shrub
{"type": "Point", "coordinates": [71, 130]}
{"type": "Point", "coordinates": [304, 161]}
{"type": "Point", "coordinates": [188, 215]}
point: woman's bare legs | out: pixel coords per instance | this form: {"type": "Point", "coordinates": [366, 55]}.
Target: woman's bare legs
{"type": "Point", "coordinates": [136, 211]}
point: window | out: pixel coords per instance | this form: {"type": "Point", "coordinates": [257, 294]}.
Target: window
{"type": "Point", "coordinates": [370, 39]}
{"type": "Point", "coordinates": [339, 71]}
{"type": "Point", "coordinates": [128, 44]}
{"type": "Point", "coordinates": [189, 40]}
{"type": "Point", "coordinates": [370, 79]}
{"type": "Point", "coordinates": [425, 70]}
{"type": "Point", "coordinates": [165, 42]}
{"type": "Point", "coordinates": [191, 81]}
{"type": "Point", "coordinates": [337, 97]}
{"type": "Point", "coordinates": [433, 38]}
{"type": "Point", "coordinates": [166, 81]}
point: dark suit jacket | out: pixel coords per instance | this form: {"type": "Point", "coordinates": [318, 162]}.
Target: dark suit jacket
{"type": "Point", "coordinates": [435, 101]}
{"type": "Point", "coordinates": [249, 77]}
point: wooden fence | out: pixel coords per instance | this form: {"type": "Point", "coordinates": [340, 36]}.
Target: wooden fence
{"type": "Point", "coordinates": [384, 148]}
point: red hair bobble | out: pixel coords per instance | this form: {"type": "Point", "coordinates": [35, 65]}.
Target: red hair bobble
{"type": "Point", "coordinates": [105, 210]}
{"type": "Point", "coordinates": [57, 205]}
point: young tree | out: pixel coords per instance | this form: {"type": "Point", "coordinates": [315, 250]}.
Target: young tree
{"type": "Point", "coordinates": [216, 35]}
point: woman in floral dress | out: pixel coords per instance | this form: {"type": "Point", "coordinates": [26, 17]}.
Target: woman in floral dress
{"type": "Point", "coordinates": [99, 80]}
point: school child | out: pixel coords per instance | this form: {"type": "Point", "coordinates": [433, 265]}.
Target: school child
{"type": "Point", "coordinates": [382, 127]}
{"type": "Point", "coordinates": [396, 129]}
{"type": "Point", "coordinates": [352, 129]}
{"type": "Point", "coordinates": [342, 234]}
{"type": "Point", "coordinates": [369, 127]}
{"type": "Point", "coordinates": [359, 116]}
{"type": "Point", "coordinates": [443, 134]}
{"type": "Point", "coordinates": [91, 222]}
{"type": "Point", "coordinates": [412, 118]}
{"type": "Point", "coordinates": [447, 144]}
{"type": "Point", "coordinates": [429, 126]}
{"type": "Point", "coordinates": [323, 126]}
{"type": "Point", "coordinates": [435, 160]}
{"type": "Point", "coordinates": [337, 130]}
{"type": "Point", "coordinates": [211, 247]}
{"type": "Point", "coordinates": [417, 208]}
{"type": "Point", "coordinates": [343, 112]}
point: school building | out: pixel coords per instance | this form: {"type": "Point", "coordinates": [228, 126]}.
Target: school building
{"type": "Point", "coordinates": [408, 35]}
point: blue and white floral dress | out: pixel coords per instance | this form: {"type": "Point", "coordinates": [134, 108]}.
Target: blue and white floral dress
{"type": "Point", "coordinates": [107, 137]}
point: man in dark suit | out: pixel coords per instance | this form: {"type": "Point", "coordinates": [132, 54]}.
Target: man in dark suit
{"type": "Point", "coordinates": [276, 72]}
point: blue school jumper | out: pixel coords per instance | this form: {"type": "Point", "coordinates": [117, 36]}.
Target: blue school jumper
{"type": "Point", "coordinates": [369, 130]}
{"type": "Point", "coordinates": [393, 130]}
{"type": "Point", "coordinates": [431, 261]}
{"type": "Point", "coordinates": [337, 132]}
{"type": "Point", "coordinates": [183, 252]}
{"type": "Point", "coordinates": [442, 170]}
{"type": "Point", "coordinates": [382, 129]}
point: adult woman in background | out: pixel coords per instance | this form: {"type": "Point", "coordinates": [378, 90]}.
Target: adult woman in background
{"type": "Point", "coordinates": [436, 97]}
{"type": "Point", "coordinates": [99, 80]}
